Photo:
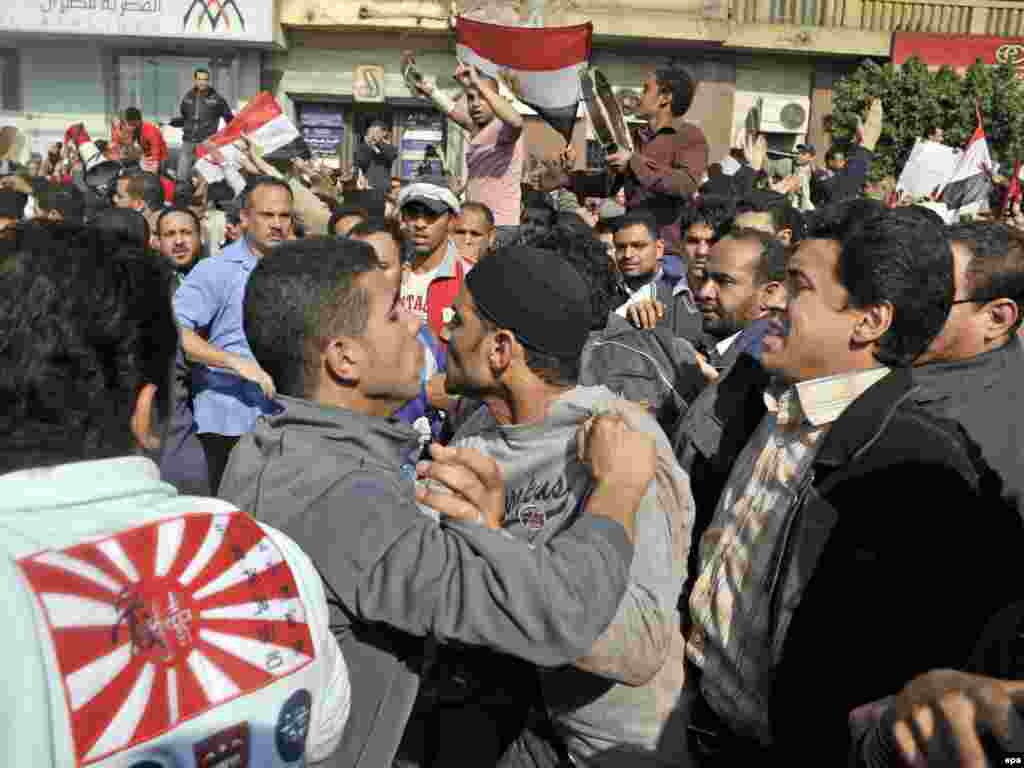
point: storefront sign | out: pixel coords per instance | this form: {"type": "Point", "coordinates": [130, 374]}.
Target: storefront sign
{"type": "Point", "coordinates": [422, 131]}
{"type": "Point", "coordinates": [214, 20]}
{"type": "Point", "coordinates": [323, 128]}
{"type": "Point", "coordinates": [958, 51]}
{"type": "Point", "coordinates": [368, 84]}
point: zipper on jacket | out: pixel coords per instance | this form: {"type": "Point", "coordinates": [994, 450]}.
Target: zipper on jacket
{"type": "Point", "coordinates": [782, 559]}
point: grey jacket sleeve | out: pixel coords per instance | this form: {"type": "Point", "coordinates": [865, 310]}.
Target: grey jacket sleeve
{"type": "Point", "coordinates": [465, 583]}
{"type": "Point", "coordinates": [636, 643]}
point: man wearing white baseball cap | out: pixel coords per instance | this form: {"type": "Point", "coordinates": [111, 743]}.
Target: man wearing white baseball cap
{"type": "Point", "coordinates": [434, 276]}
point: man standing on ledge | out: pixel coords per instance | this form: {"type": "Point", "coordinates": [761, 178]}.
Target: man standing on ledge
{"type": "Point", "coordinates": [202, 109]}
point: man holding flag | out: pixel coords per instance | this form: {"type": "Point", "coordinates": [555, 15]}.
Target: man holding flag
{"type": "Point", "coordinates": [496, 150]}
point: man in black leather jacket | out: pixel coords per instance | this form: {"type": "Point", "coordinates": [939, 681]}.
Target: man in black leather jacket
{"type": "Point", "coordinates": [201, 112]}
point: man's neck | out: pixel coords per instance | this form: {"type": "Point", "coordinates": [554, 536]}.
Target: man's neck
{"type": "Point", "coordinates": [527, 404]}
{"type": "Point", "coordinates": [661, 120]}
{"type": "Point", "coordinates": [634, 284]}
{"type": "Point", "coordinates": [255, 248]}
{"type": "Point", "coordinates": [431, 262]}
{"type": "Point", "coordinates": [350, 400]}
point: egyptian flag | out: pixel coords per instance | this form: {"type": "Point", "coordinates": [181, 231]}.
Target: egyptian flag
{"type": "Point", "coordinates": [540, 65]}
{"type": "Point", "coordinates": [971, 181]}
{"type": "Point", "coordinates": [266, 124]}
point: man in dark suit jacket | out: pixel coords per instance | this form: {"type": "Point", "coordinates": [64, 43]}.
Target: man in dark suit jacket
{"type": "Point", "coordinates": [829, 557]}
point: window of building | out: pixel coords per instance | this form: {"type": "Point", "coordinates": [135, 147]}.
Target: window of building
{"type": "Point", "coordinates": [156, 84]}
{"type": "Point", "coordinates": [10, 92]}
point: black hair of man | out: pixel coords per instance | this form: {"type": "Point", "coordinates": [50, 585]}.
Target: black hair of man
{"type": "Point", "coordinates": [572, 221]}
{"type": "Point", "coordinates": [259, 182]}
{"type": "Point", "coordinates": [534, 198]}
{"type": "Point", "coordinates": [201, 71]}
{"type": "Point", "coordinates": [132, 115]}
{"type": "Point", "coordinates": [907, 263]}
{"type": "Point", "coordinates": [836, 150]}
{"type": "Point", "coordinates": [918, 213]}
{"type": "Point", "coordinates": [784, 216]}
{"type": "Point", "coordinates": [346, 212]}
{"type": "Point", "coordinates": [377, 225]}
{"type": "Point", "coordinates": [771, 266]}
{"type": "Point", "coordinates": [177, 209]}
{"type": "Point", "coordinates": [146, 187]}
{"type": "Point", "coordinates": [639, 218]}
{"type": "Point", "coordinates": [837, 221]}
{"type": "Point", "coordinates": [121, 228]}
{"type": "Point", "coordinates": [588, 256]}
{"type": "Point", "coordinates": [101, 145]}
{"type": "Point", "coordinates": [380, 124]}
{"type": "Point", "coordinates": [481, 208]}
{"type": "Point", "coordinates": [84, 327]}
{"type": "Point", "coordinates": [677, 82]}
{"type": "Point", "coordinates": [997, 261]}
{"type": "Point", "coordinates": [306, 293]}
{"type": "Point", "coordinates": [604, 226]}
{"type": "Point", "coordinates": [716, 211]}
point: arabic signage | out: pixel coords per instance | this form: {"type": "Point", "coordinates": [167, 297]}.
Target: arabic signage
{"type": "Point", "coordinates": [323, 128]}
{"type": "Point", "coordinates": [224, 20]}
{"type": "Point", "coordinates": [958, 51]}
{"type": "Point", "coordinates": [368, 84]}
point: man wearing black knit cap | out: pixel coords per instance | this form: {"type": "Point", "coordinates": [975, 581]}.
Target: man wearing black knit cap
{"type": "Point", "coordinates": [518, 328]}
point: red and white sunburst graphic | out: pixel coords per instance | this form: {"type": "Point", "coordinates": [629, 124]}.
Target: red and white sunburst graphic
{"type": "Point", "coordinates": [163, 622]}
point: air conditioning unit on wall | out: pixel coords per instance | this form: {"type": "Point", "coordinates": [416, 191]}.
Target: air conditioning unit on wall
{"type": "Point", "coordinates": [783, 114]}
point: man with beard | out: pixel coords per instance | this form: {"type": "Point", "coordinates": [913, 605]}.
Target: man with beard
{"type": "Point", "coordinates": [177, 232]}
{"type": "Point", "coordinates": [745, 273]}
{"type": "Point", "coordinates": [515, 340]}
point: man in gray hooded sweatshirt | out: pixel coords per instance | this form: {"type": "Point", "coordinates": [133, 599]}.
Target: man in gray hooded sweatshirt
{"type": "Point", "coordinates": [334, 471]}
{"type": "Point", "coordinates": [519, 326]}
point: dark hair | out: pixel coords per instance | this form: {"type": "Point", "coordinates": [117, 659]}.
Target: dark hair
{"type": "Point", "coordinates": [680, 85]}
{"type": "Point", "coordinates": [571, 220]}
{"type": "Point", "coordinates": [146, 187]}
{"type": "Point", "coordinates": [382, 226]}
{"type": "Point", "coordinates": [552, 370]}
{"type": "Point", "coordinates": [716, 211]}
{"type": "Point", "coordinates": [178, 209]}
{"type": "Point", "coordinates": [84, 327]}
{"type": "Point", "coordinates": [605, 227]}
{"type": "Point", "coordinates": [132, 115]}
{"type": "Point", "coordinates": [907, 263]}
{"type": "Point", "coordinates": [997, 261]}
{"type": "Point", "coordinates": [639, 218]}
{"type": "Point", "coordinates": [834, 151]}
{"type": "Point", "coordinates": [305, 293]}
{"type": "Point", "coordinates": [837, 221]}
{"type": "Point", "coordinates": [258, 182]}
{"type": "Point", "coordinates": [480, 208]}
{"type": "Point", "coordinates": [101, 145]}
{"type": "Point", "coordinates": [771, 266]}
{"type": "Point", "coordinates": [784, 215]}
{"type": "Point", "coordinates": [121, 228]}
{"type": "Point", "coordinates": [380, 124]}
{"type": "Point", "coordinates": [346, 212]}
{"type": "Point", "coordinates": [200, 71]}
{"type": "Point", "coordinates": [918, 213]}
{"type": "Point", "coordinates": [588, 256]}
{"type": "Point", "coordinates": [534, 198]}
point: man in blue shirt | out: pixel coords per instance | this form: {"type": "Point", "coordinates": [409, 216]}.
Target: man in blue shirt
{"type": "Point", "coordinates": [231, 388]}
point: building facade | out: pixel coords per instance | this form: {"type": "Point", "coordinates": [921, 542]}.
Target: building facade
{"type": "Point", "coordinates": [68, 61]}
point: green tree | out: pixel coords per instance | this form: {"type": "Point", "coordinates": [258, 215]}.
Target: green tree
{"type": "Point", "coordinates": [916, 100]}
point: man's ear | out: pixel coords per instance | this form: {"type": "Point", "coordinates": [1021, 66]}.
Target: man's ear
{"type": "Point", "coordinates": [875, 321]}
{"type": "Point", "coordinates": [502, 351]}
{"type": "Point", "coordinates": [344, 358]}
{"type": "Point", "coordinates": [142, 423]}
{"type": "Point", "coordinates": [1000, 316]}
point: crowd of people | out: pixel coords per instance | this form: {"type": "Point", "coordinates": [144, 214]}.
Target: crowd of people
{"type": "Point", "coordinates": [712, 468]}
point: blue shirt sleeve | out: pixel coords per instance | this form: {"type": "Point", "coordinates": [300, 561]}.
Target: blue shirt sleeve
{"type": "Point", "coordinates": [199, 297]}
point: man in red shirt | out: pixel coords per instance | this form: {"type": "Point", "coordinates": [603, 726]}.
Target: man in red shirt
{"type": "Point", "coordinates": [148, 137]}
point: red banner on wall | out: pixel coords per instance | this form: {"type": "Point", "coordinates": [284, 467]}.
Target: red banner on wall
{"type": "Point", "coordinates": [958, 51]}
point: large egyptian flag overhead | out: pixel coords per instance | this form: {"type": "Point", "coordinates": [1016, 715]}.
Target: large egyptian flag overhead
{"type": "Point", "coordinates": [972, 179]}
{"type": "Point", "coordinates": [540, 65]}
{"type": "Point", "coordinates": [263, 121]}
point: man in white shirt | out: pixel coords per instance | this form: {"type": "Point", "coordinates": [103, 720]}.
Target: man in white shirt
{"type": "Point", "coordinates": [148, 629]}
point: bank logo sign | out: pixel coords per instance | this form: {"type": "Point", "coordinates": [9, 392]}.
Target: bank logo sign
{"type": "Point", "coordinates": [244, 21]}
